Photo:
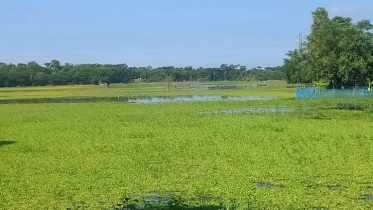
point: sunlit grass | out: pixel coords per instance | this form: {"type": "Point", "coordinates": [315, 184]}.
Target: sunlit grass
{"type": "Point", "coordinates": [272, 88]}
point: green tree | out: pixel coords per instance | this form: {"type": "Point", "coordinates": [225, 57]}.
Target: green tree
{"type": "Point", "coordinates": [318, 47]}
{"type": "Point", "coordinates": [295, 67]}
{"type": "Point", "coordinates": [339, 50]}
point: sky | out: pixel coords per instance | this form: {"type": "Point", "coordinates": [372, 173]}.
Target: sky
{"type": "Point", "coordinates": [180, 33]}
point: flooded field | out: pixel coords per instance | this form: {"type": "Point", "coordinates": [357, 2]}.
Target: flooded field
{"type": "Point", "coordinates": [138, 99]}
{"type": "Point", "coordinates": [193, 98]}
{"type": "Point", "coordinates": [290, 154]}
{"type": "Point", "coordinates": [60, 100]}
{"type": "Point", "coordinates": [251, 110]}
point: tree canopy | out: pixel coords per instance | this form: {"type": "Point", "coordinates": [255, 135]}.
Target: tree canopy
{"type": "Point", "coordinates": [337, 51]}
{"type": "Point", "coordinates": [53, 73]}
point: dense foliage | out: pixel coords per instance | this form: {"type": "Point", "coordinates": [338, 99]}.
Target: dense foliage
{"type": "Point", "coordinates": [337, 52]}
{"type": "Point", "coordinates": [53, 73]}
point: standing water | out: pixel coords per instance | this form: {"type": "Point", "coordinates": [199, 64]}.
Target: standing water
{"type": "Point", "coordinates": [193, 98]}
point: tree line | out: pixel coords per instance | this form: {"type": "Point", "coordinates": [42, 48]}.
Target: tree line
{"type": "Point", "coordinates": [53, 73]}
{"type": "Point", "coordinates": [337, 53]}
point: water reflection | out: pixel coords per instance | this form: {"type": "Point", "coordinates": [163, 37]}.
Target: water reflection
{"type": "Point", "coordinates": [193, 98]}
{"type": "Point", "coordinates": [138, 99]}
{"type": "Point", "coordinates": [251, 110]}
{"type": "Point", "coordinates": [267, 185]}
{"type": "Point", "coordinates": [367, 197]}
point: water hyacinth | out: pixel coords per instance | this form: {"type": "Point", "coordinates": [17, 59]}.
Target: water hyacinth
{"type": "Point", "coordinates": [94, 155]}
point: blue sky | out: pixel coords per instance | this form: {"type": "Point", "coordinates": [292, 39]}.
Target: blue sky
{"type": "Point", "coordinates": [198, 33]}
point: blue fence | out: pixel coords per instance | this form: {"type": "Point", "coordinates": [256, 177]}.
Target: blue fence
{"type": "Point", "coordinates": [359, 92]}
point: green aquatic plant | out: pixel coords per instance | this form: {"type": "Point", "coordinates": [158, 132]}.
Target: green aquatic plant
{"type": "Point", "coordinates": [88, 155]}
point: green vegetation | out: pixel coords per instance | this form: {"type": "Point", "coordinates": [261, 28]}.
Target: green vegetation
{"type": "Point", "coordinates": [116, 155]}
{"type": "Point", "coordinates": [276, 88]}
{"type": "Point", "coordinates": [96, 155]}
{"type": "Point", "coordinates": [33, 74]}
{"type": "Point", "coordinates": [337, 51]}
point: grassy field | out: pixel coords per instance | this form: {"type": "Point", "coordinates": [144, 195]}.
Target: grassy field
{"type": "Point", "coordinates": [279, 88]}
{"type": "Point", "coordinates": [92, 155]}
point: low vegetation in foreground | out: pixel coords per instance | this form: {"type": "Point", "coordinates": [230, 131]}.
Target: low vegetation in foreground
{"type": "Point", "coordinates": [122, 155]}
